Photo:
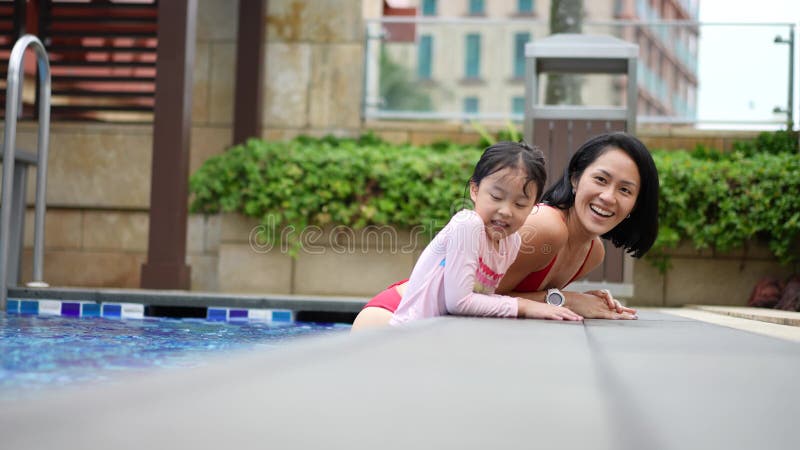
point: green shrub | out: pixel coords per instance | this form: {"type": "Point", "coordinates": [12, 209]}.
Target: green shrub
{"type": "Point", "coordinates": [712, 200]}
{"type": "Point", "coordinates": [724, 202]}
{"type": "Point", "coordinates": [335, 181]}
{"type": "Point", "coordinates": [768, 142]}
{"type": "Point", "coordinates": [774, 143]}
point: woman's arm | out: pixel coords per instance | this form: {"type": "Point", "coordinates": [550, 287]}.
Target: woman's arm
{"type": "Point", "coordinates": [591, 304]}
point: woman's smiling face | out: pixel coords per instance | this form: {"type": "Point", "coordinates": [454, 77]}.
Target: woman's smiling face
{"type": "Point", "coordinates": [606, 192]}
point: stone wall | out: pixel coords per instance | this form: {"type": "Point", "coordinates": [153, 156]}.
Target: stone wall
{"type": "Point", "coordinates": [364, 267]}
{"type": "Point", "coordinates": [341, 264]}
{"type": "Point", "coordinates": [99, 174]}
{"type": "Point", "coordinates": [314, 60]}
{"type": "Point", "coordinates": [655, 138]}
{"type": "Point", "coordinates": [705, 277]}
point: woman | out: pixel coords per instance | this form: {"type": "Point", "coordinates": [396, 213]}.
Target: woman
{"type": "Point", "coordinates": [609, 190]}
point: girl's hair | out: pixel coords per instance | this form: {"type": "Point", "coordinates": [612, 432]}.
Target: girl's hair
{"type": "Point", "coordinates": [518, 155]}
{"type": "Point", "coordinates": [637, 233]}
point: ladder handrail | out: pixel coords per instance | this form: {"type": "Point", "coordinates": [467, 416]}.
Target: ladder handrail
{"type": "Point", "coordinates": [13, 95]}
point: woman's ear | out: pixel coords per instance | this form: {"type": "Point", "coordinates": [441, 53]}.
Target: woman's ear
{"type": "Point", "coordinates": [473, 191]}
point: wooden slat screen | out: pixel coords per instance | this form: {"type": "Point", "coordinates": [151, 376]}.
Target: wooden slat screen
{"type": "Point", "coordinates": [12, 25]}
{"type": "Point", "coordinates": [102, 58]}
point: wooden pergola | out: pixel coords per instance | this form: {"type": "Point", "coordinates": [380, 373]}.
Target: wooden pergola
{"type": "Point", "coordinates": [166, 266]}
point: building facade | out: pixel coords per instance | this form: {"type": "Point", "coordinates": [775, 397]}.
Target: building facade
{"type": "Point", "coordinates": [468, 56]}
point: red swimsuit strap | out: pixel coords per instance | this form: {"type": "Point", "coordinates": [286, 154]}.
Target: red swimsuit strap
{"type": "Point", "coordinates": [532, 282]}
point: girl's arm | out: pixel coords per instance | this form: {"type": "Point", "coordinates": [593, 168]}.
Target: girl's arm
{"type": "Point", "coordinates": [461, 263]}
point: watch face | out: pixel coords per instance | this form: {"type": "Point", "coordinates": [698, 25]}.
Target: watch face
{"type": "Point", "coordinates": [554, 298]}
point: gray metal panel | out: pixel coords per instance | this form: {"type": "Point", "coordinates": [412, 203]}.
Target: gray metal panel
{"type": "Point", "coordinates": [563, 112]}
{"type": "Point", "coordinates": [583, 46]}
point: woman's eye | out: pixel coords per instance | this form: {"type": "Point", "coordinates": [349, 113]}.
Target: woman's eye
{"type": "Point", "coordinates": [600, 179]}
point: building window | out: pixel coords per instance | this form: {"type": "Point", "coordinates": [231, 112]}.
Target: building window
{"type": "Point", "coordinates": [428, 7]}
{"type": "Point", "coordinates": [425, 57]}
{"type": "Point", "coordinates": [471, 105]}
{"type": "Point", "coordinates": [525, 6]}
{"type": "Point", "coordinates": [518, 106]}
{"type": "Point", "coordinates": [520, 39]}
{"type": "Point", "coordinates": [476, 8]}
{"type": "Point", "coordinates": [472, 68]}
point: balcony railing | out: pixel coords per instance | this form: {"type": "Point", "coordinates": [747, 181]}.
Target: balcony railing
{"type": "Point", "coordinates": [689, 72]}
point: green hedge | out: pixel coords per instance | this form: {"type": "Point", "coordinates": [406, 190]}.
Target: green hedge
{"type": "Point", "coordinates": [723, 200]}
{"type": "Point", "coordinates": [336, 181]}
{"type": "Point", "coordinates": [712, 199]}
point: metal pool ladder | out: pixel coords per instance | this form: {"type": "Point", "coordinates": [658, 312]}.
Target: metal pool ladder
{"type": "Point", "coordinates": [13, 200]}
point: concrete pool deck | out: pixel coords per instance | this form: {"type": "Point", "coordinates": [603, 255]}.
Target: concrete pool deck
{"type": "Point", "coordinates": [663, 382]}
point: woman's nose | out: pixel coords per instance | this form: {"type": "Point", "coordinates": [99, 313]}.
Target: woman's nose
{"type": "Point", "coordinates": [607, 195]}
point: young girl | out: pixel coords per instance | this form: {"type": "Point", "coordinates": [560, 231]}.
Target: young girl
{"type": "Point", "coordinates": [460, 269]}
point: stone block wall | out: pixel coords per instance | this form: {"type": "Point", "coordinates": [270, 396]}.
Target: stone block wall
{"type": "Point", "coordinates": [314, 60]}
{"type": "Point", "coordinates": [343, 264]}
{"type": "Point", "coordinates": [706, 277]}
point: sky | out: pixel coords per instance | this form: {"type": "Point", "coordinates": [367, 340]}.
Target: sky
{"type": "Point", "coordinates": [743, 74]}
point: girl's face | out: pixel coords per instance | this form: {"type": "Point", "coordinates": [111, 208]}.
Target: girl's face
{"type": "Point", "coordinates": [502, 203]}
{"type": "Point", "coordinates": [606, 192]}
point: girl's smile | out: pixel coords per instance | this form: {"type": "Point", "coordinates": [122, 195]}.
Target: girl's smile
{"type": "Point", "coordinates": [503, 200]}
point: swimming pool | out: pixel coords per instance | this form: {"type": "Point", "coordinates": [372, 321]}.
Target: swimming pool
{"type": "Point", "coordinates": [43, 351]}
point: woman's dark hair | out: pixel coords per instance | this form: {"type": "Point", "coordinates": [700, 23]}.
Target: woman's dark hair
{"type": "Point", "coordinates": [515, 155]}
{"type": "Point", "coordinates": [637, 233]}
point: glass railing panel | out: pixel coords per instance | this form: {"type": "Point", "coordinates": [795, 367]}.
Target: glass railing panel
{"type": "Point", "coordinates": [738, 75]}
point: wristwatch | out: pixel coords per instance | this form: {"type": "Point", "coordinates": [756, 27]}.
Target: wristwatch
{"type": "Point", "coordinates": [555, 297]}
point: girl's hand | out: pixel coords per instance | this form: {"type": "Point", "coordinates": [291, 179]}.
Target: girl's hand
{"type": "Point", "coordinates": [598, 305]}
{"type": "Point", "coordinates": [530, 309]}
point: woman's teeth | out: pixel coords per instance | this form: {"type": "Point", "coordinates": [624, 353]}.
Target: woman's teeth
{"type": "Point", "coordinates": [600, 211]}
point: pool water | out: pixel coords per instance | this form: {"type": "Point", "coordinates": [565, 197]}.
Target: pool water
{"type": "Point", "coordinates": [47, 351]}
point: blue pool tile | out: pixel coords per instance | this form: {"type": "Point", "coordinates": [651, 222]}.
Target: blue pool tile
{"type": "Point", "coordinates": [29, 307]}
{"type": "Point", "coordinates": [112, 310]}
{"type": "Point", "coordinates": [237, 314]}
{"type": "Point", "coordinates": [70, 309]}
{"type": "Point", "coordinates": [218, 314]}
{"type": "Point", "coordinates": [12, 306]}
{"type": "Point", "coordinates": [90, 310]}
{"type": "Point", "coordinates": [281, 316]}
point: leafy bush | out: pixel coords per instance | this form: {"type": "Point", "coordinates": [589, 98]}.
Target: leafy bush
{"type": "Point", "coordinates": [774, 143]}
{"type": "Point", "coordinates": [713, 199]}
{"type": "Point", "coordinates": [722, 202]}
{"type": "Point", "coordinates": [335, 181]}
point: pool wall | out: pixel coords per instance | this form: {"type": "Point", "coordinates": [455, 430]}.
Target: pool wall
{"type": "Point", "coordinates": [136, 303]}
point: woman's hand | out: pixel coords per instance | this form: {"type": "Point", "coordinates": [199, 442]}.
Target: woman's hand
{"type": "Point", "coordinates": [598, 304]}
{"type": "Point", "coordinates": [613, 304]}
{"type": "Point", "coordinates": [530, 309]}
